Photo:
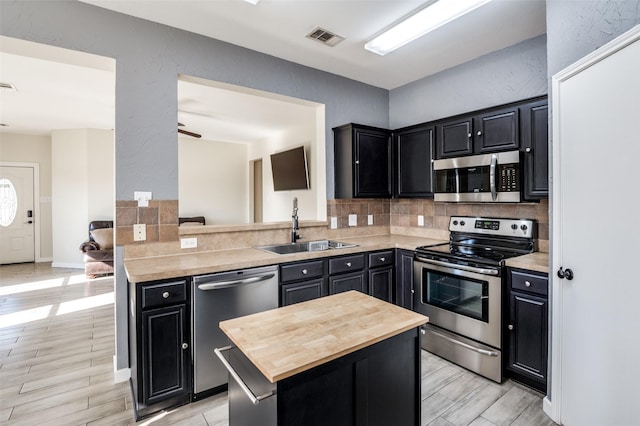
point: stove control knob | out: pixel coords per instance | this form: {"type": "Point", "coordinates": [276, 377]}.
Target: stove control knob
{"type": "Point", "coordinates": [455, 223]}
{"type": "Point", "coordinates": [462, 223]}
{"type": "Point", "coordinates": [523, 227]}
{"type": "Point", "coordinates": [514, 226]}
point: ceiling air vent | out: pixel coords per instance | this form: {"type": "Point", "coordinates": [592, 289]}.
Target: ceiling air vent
{"type": "Point", "coordinates": [325, 37]}
{"type": "Point", "coordinates": [7, 86]}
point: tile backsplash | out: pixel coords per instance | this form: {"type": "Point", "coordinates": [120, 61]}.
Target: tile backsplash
{"type": "Point", "coordinates": [160, 218]}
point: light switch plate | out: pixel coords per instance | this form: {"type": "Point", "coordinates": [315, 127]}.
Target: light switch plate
{"type": "Point", "coordinates": [370, 219]}
{"type": "Point", "coordinates": [188, 243]}
{"type": "Point", "coordinates": [334, 222]}
{"type": "Point", "coordinates": [420, 220]}
{"type": "Point", "coordinates": [353, 220]}
{"type": "Point", "coordinates": [139, 232]}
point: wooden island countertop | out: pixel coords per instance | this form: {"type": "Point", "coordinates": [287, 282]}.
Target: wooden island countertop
{"type": "Point", "coordinates": [289, 340]}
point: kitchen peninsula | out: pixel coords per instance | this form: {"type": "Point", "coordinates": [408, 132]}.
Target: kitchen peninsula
{"type": "Point", "coordinates": [345, 359]}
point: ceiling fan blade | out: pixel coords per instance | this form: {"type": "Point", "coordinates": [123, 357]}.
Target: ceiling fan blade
{"type": "Point", "coordinates": [180, 124]}
{"type": "Point", "coordinates": [186, 132]}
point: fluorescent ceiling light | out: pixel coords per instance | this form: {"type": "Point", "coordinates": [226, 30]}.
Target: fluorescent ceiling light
{"type": "Point", "coordinates": [418, 24]}
{"type": "Point", "coordinates": [252, 1]}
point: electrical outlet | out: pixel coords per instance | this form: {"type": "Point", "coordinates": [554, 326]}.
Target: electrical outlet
{"type": "Point", "coordinates": [353, 220]}
{"type": "Point", "coordinates": [142, 197]}
{"type": "Point", "coordinates": [188, 243]}
{"type": "Point", "coordinates": [334, 222]}
{"type": "Point", "coordinates": [370, 219]}
{"type": "Point", "coordinates": [420, 220]}
{"type": "Point", "coordinates": [139, 232]}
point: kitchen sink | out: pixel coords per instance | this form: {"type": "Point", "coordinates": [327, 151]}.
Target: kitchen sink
{"type": "Point", "coordinates": [308, 246]}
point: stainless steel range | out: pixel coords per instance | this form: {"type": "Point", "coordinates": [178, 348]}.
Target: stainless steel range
{"type": "Point", "coordinates": [460, 287]}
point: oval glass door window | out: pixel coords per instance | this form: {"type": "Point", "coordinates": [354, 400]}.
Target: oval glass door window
{"type": "Point", "coordinates": [8, 202]}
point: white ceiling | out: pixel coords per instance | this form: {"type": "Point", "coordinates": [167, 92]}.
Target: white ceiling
{"type": "Point", "coordinates": [62, 89]}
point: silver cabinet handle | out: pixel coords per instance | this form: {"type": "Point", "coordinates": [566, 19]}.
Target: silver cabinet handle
{"type": "Point", "coordinates": [357, 161]}
{"type": "Point", "coordinates": [469, 135]}
{"type": "Point", "coordinates": [382, 259]}
{"type": "Point", "coordinates": [510, 327]}
{"type": "Point", "coordinates": [527, 284]}
{"type": "Point", "coordinates": [527, 150]}
{"type": "Point", "coordinates": [235, 283]}
{"type": "Point", "coordinates": [165, 295]}
{"type": "Point", "coordinates": [234, 374]}
{"type": "Point", "coordinates": [304, 272]}
{"type": "Point", "coordinates": [479, 133]}
{"type": "Point", "coordinates": [185, 346]}
{"type": "Point", "coordinates": [348, 264]}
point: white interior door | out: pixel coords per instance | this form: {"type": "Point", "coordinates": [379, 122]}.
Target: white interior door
{"type": "Point", "coordinates": [17, 221]}
{"type": "Point", "coordinates": [596, 219]}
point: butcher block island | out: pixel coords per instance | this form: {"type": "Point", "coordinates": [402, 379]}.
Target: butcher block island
{"type": "Point", "coordinates": [345, 359]}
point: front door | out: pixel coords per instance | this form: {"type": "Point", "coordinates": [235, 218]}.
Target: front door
{"type": "Point", "coordinates": [17, 221]}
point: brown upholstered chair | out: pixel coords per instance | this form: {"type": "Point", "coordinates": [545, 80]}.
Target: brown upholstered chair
{"type": "Point", "coordinates": [98, 249]}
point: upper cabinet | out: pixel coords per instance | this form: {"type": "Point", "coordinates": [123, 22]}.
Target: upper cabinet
{"type": "Point", "coordinates": [535, 144]}
{"type": "Point", "coordinates": [362, 162]}
{"type": "Point", "coordinates": [490, 131]}
{"type": "Point", "coordinates": [412, 168]}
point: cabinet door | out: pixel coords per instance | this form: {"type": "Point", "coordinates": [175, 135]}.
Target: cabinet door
{"type": "Point", "coordinates": [528, 335]}
{"type": "Point", "coordinates": [413, 151]}
{"type": "Point", "coordinates": [455, 138]}
{"type": "Point", "coordinates": [355, 281]}
{"type": "Point", "coordinates": [165, 362]}
{"type": "Point", "coordinates": [302, 291]}
{"type": "Point", "coordinates": [497, 131]}
{"type": "Point", "coordinates": [404, 279]}
{"type": "Point", "coordinates": [372, 164]}
{"type": "Point", "coordinates": [381, 283]}
{"type": "Point", "coordinates": [535, 143]}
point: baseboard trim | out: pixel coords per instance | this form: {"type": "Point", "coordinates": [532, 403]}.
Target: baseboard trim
{"type": "Point", "coordinates": [44, 259]}
{"type": "Point", "coordinates": [120, 375]}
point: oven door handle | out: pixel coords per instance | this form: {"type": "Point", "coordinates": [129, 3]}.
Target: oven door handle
{"type": "Point", "coordinates": [493, 176]}
{"type": "Point", "coordinates": [464, 345]}
{"type": "Point", "coordinates": [482, 271]}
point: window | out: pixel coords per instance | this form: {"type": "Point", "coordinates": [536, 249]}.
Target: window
{"type": "Point", "coordinates": [8, 202]}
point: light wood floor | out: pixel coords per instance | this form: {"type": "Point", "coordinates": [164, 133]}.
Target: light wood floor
{"type": "Point", "coordinates": [56, 355]}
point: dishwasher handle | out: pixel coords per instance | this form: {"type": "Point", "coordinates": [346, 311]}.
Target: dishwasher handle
{"type": "Point", "coordinates": [234, 283]}
{"type": "Point", "coordinates": [234, 374]}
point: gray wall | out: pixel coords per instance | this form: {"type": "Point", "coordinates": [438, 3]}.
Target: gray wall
{"type": "Point", "coordinates": [149, 58]}
{"type": "Point", "coordinates": [511, 74]}
{"type": "Point", "coordinates": [576, 28]}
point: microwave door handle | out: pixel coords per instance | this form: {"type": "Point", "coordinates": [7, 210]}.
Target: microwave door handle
{"type": "Point", "coordinates": [493, 177]}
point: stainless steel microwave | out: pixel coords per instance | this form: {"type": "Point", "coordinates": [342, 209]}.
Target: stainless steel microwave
{"type": "Point", "coordinates": [493, 178]}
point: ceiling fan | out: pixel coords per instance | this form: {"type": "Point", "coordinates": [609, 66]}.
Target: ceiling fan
{"type": "Point", "coordinates": [186, 132]}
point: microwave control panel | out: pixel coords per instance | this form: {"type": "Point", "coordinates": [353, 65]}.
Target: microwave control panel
{"type": "Point", "coordinates": [508, 178]}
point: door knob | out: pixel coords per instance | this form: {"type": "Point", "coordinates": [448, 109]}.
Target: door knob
{"type": "Point", "coordinates": [29, 222]}
{"type": "Point", "coordinates": [565, 273]}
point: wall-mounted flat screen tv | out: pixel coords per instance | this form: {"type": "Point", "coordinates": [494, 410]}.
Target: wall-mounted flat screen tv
{"type": "Point", "coordinates": [289, 170]}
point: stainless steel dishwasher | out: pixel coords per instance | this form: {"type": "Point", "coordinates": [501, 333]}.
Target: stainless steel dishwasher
{"type": "Point", "coordinates": [218, 297]}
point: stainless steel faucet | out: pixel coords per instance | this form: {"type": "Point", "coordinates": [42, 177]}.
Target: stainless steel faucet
{"type": "Point", "coordinates": [294, 222]}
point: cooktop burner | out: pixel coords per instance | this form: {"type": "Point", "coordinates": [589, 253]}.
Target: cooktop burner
{"type": "Point", "coordinates": [483, 240]}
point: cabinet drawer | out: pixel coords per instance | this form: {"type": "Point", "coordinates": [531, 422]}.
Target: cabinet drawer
{"type": "Point", "coordinates": [381, 258]}
{"type": "Point", "coordinates": [301, 271]}
{"type": "Point", "coordinates": [346, 264]}
{"type": "Point", "coordinates": [529, 282]}
{"type": "Point", "coordinates": [164, 294]}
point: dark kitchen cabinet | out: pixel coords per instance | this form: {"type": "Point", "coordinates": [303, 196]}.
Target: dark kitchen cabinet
{"type": "Point", "coordinates": [347, 273]}
{"type": "Point", "coordinates": [381, 280]}
{"type": "Point", "coordinates": [480, 133]}
{"type": "Point", "coordinates": [412, 156]}
{"type": "Point", "coordinates": [160, 360]}
{"type": "Point", "coordinates": [535, 144]}
{"type": "Point", "coordinates": [527, 328]}
{"type": "Point", "coordinates": [404, 278]}
{"type": "Point", "coordinates": [302, 281]}
{"type": "Point", "coordinates": [362, 162]}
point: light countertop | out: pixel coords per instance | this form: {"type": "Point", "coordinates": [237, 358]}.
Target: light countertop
{"type": "Point", "coordinates": [537, 261]}
{"type": "Point", "coordinates": [205, 262]}
{"type": "Point", "coordinates": [289, 340]}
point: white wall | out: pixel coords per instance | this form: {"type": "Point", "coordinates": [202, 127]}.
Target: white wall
{"type": "Point", "coordinates": [34, 149]}
{"type": "Point", "coordinates": [82, 177]}
{"type": "Point", "coordinates": [213, 181]}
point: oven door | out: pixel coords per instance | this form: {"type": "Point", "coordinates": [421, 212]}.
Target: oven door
{"type": "Point", "coordinates": [464, 300]}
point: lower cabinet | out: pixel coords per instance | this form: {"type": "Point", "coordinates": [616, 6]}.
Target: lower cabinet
{"type": "Point", "coordinates": [160, 360]}
{"type": "Point", "coordinates": [302, 281]}
{"type": "Point", "coordinates": [381, 275]}
{"type": "Point", "coordinates": [404, 278]}
{"type": "Point", "coordinates": [347, 273]}
{"type": "Point", "coordinates": [527, 329]}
